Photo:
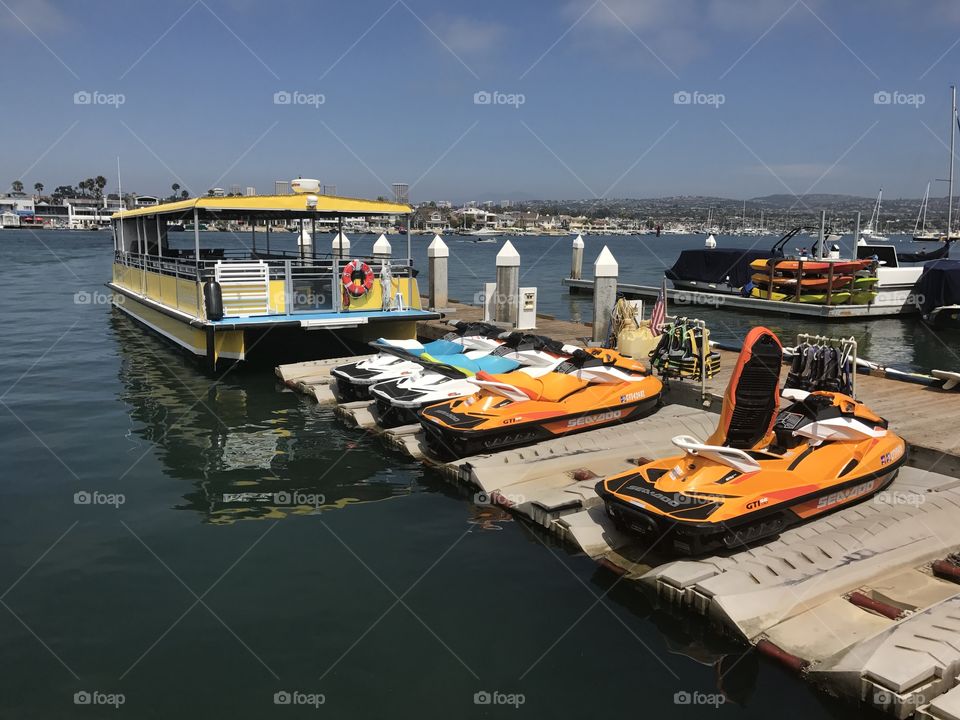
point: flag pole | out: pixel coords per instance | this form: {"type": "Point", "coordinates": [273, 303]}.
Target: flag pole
{"type": "Point", "coordinates": [663, 291]}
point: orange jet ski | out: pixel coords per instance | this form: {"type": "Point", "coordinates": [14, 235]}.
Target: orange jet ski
{"type": "Point", "coordinates": [761, 470]}
{"type": "Point", "coordinates": [514, 409]}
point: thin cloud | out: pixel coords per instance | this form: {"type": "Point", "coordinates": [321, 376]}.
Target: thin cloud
{"type": "Point", "coordinates": [679, 31]}
{"type": "Point", "coordinates": [41, 16]}
{"type": "Point", "coordinates": [470, 36]}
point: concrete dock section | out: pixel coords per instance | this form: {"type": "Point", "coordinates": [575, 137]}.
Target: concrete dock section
{"type": "Point", "coordinates": [313, 378]}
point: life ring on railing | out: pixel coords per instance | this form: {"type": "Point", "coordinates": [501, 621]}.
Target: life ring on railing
{"type": "Point", "coordinates": [357, 278]}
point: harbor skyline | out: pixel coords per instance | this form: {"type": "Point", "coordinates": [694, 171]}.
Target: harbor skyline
{"type": "Point", "coordinates": [569, 100]}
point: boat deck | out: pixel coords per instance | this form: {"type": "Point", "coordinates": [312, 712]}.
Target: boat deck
{"type": "Point", "coordinates": [853, 600]}
{"type": "Point", "coordinates": [753, 305]}
{"type": "Point", "coordinates": [322, 318]}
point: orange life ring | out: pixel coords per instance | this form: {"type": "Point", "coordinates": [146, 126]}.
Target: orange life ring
{"type": "Point", "coordinates": [357, 278]}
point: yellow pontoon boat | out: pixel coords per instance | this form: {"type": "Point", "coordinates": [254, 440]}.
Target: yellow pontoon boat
{"type": "Point", "coordinates": [227, 304]}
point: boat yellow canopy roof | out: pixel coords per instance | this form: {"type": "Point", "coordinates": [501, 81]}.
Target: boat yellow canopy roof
{"type": "Point", "coordinates": [265, 205]}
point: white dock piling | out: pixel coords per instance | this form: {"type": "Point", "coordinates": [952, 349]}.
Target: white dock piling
{"type": "Point", "coordinates": [605, 272]}
{"type": "Point", "coordinates": [340, 246]}
{"type": "Point", "coordinates": [305, 241]}
{"type": "Point", "coordinates": [576, 265]}
{"type": "Point", "coordinates": [508, 284]}
{"type": "Point", "coordinates": [381, 249]}
{"type": "Point", "coordinates": [438, 255]}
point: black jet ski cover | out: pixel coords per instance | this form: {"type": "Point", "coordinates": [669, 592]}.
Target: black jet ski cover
{"type": "Point", "coordinates": [715, 266]}
{"type": "Point", "coordinates": [939, 285]}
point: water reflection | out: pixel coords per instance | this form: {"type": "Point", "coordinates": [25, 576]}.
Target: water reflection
{"type": "Point", "coordinates": [735, 666]}
{"type": "Point", "coordinates": [247, 449]}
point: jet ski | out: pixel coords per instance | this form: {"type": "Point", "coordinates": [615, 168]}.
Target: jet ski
{"type": "Point", "coordinates": [602, 388]}
{"type": "Point", "coordinates": [399, 401]}
{"type": "Point", "coordinates": [397, 358]}
{"type": "Point", "coordinates": [761, 470]}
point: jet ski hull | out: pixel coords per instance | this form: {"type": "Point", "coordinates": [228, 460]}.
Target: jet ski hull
{"type": "Point", "coordinates": [397, 405]}
{"type": "Point", "coordinates": [354, 382]}
{"type": "Point", "coordinates": [392, 416]}
{"type": "Point", "coordinates": [450, 435]}
{"type": "Point", "coordinates": [648, 517]}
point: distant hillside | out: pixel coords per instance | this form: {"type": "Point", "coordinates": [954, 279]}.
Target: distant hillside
{"type": "Point", "coordinates": [818, 200]}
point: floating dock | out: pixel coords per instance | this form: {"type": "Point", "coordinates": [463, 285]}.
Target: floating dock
{"type": "Point", "coordinates": [864, 602]}
{"type": "Point", "coordinates": [754, 305]}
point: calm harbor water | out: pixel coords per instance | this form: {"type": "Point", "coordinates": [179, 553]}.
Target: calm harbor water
{"type": "Point", "coordinates": [143, 562]}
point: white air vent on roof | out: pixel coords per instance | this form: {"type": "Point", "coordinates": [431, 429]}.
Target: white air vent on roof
{"type": "Point", "coordinates": [305, 185]}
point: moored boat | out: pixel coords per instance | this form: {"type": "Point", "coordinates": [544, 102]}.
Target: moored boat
{"type": "Point", "coordinates": [233, 305]}
{"type": "Point", "coordinates": [761, 470]}
{"type": "Point", "coordinates": [517, 409]}
{"type": "Point", "coordinates": [939, 290]}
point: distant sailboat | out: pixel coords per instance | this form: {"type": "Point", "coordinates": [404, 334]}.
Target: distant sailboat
{"type": "Point", "coordinates": [920, 232]}
{"type": "Point", "coordinates": [872, 230]}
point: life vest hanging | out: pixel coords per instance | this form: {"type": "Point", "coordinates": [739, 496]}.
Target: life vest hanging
{"type": "Point", "coordinates": [357, 278]}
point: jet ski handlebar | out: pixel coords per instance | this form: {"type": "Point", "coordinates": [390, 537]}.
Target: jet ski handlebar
{"type": "Point", "coordinates": [731, 457]}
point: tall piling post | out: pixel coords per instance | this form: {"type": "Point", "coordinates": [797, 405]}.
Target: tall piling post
{"type": "Point", "coordinates": [576, 263]}
{"type": "Point", "coordinates": [856, 234]}
{"type": "Point", "coordinates": [340, 246]}
{"type": "Point", "coordinates": [508, 285]}
{"type": "Point", "coordinates": [438, 255]}
{"type": "Point", "coordinates": [382, 250]}
{"type": "Point", "coordinates": [605, 272]}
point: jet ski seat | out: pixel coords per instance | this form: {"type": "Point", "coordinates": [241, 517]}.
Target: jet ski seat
{"type": "Point", "coordinates": [441, 347]}
{"type": "Point", "coordinates": [487, 363]}
{"type": "Point", "coordinates": [552, 387]}
{"type": "Point", "coordinates": [752, 398]}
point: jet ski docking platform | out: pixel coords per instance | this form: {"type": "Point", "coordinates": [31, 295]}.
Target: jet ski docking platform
{"type": "Point", "coordinates": [863, 602]}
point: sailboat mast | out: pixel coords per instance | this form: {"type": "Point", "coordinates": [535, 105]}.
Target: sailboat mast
{"type": "Point", "coordinates": [953, 115]}
{"type": "Point", "coordinates": [922, 215]}
{"type": "Point", "coordinates": [876, 225]}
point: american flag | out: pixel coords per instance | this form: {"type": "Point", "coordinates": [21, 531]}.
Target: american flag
{"type": "Point", "coordinates": [658, 314]}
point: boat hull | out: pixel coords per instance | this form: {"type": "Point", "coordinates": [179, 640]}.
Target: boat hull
{"type": "Point", "coordinates": [448, 443]}
{"type": "Point", "coordinates": [945, 317]}
{"type": "Point", "coordinates": [697, 538]}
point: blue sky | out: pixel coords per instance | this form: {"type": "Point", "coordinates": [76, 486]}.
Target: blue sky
{"type": "Point", "coordinates": [782, 95]}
